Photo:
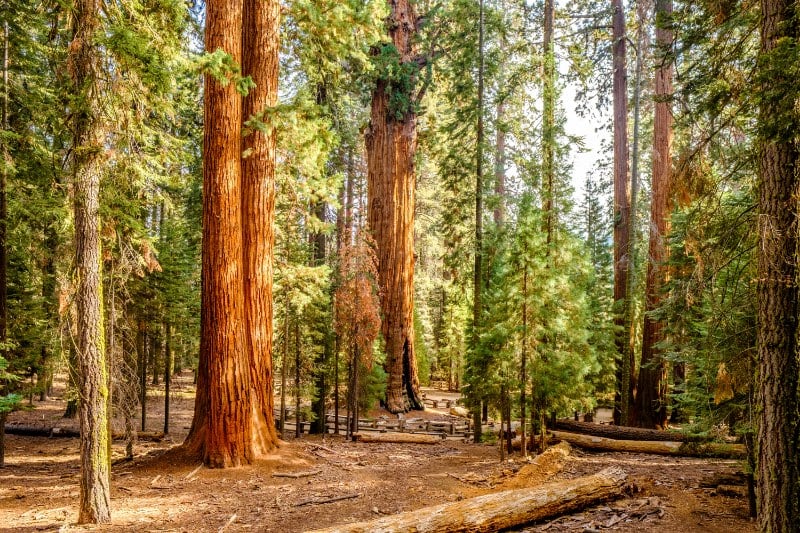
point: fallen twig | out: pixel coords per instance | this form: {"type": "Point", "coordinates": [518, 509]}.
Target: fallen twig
{"type": "Point", "coordinates": [321, 447]}
{"type": "Point", "coordinates": [315, 501]}
{"type": "Point", "coordinates": [296, 475]}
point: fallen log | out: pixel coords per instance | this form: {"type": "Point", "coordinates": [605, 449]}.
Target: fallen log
{"type": "Point", "coordinates": [689, 449]}
{"type": "Point", "coordinates": [499, 510]}
{"type": "Point", "coordinates": [625, 433]}
{"type": "Point", "coordinates": [398, 438]}
{"type": "Point", "coordinates": [33, 431]}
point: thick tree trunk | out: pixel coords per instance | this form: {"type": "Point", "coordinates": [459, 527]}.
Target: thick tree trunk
{"type": "Point", "coordinates": [622, 203]}
{"type": "Point", "coordinates": [391, 146]}
{"type": "Point", "coordinates": [651, 395]}
{"type": "Point", "coordinates": [233, 417]}
{"type": "Point", "coordinates": [260, 45]}
{"type": "Point", "coordinates": [500, 510]}
{"type": "Point", "coordinates": [84, 63]}
{"type": "Point", "coordinates": [689, 449]}
{"type": "Point", "coordinates": [778, 466]}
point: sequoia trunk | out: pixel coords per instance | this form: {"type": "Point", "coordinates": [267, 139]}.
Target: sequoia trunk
{"type": "Point", "coordinates": [651, 396]}
{"type": "Point", "coordinates": [622, 203]}
{"type": "Point", "coordinates": [260, 61]}
{"type": "Point", "coordinates": [230, 426]}
{"type": "Point", "coordinates": [391, 142]}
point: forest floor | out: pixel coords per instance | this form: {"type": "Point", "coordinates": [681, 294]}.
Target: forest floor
{"type": "Point", "coordinates": [39, 485]}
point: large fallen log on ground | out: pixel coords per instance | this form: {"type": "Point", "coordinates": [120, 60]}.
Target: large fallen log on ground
{"type": "Point", "coordinates": [499, 510]}
{"type": "Point", "coordinates": [690, 449]}
{"type": "Point", "coordinates": [398, 438]}
{"type": "Point", "coordinates": [624, 432]}
{"type": "Point", "coordinates": [33, 431]}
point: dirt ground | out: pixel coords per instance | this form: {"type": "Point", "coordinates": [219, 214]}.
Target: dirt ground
{"type": "Point", "coordinates": [347, 482]}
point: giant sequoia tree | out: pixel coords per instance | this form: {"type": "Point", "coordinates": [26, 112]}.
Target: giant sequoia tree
{"type": "Point", "coordinates": [651, 395]}
{"type": "Point", "coordinates": [778, 424]}
{"type": "Point", "coordinates": [622, 206]}
{"type": "Point", "coordinates": [233, 420]}
{"type": "Point", "coordinates": [391, 141]}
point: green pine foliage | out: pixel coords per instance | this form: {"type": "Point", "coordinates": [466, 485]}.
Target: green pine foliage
{"type": "Point", "coordinates": [9, 401]}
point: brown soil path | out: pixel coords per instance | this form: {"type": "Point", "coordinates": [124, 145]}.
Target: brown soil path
{"type": "Point", "coordinates": [38, 488]}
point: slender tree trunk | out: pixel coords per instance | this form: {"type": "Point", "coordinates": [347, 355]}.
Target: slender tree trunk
{"type": "Point", "coordinates": [342, 237]}
{"type": "Point", "coordinates": [548, 121]}
{"type": "Point", "coordinates": [167, 373]}
{"type": "Point", "coordinates": [318, 244]}
{"type": "Point", "coordinates": [622, 202]}
{"type": "Point", "coordinates": [651, 396]}
{"type": "Point", "coordinates": [500, 435]}
{"type": "Point", "coordinates": [155, 350]}
{"type": "Point", "coordinates": [260, 46]}
{"type": "Point", "coordinates": [143, 344]}
{"type": "Point", "coordinates": [284, 362]}
{"type": "Point", "coordinates": [778, 470]}
{"type": "Point", "coordinates": [629, 319]}
{"type": "Point", "coordinates": [477, 278]}
{"type": "Point", "coordinates": [523, 400]}
{"type": "Point", "coordinates": [297, 366]}
{"type": "Point", "coordinates": [354, 385]}
{"type": "Point", "coordinates": [391, 143]}
{"type": "Point", "coordinates": [84, 63]}
{"type": "Point", "coordinates": [500, 142]}
{"type": "Point", "coordinates": [3, 203]}
{"type": "Point", "coordinates": [349, 398]}
{"type": "Point", "coordinates": [500, 167]}
{"type": "Point", "coordinates": [3, 418]}
{"type": "Point", "coordinates": [349, 220]}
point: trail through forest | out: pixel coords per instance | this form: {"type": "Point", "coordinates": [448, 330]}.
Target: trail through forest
{"type": "Point", "coordinates": [314, 482]}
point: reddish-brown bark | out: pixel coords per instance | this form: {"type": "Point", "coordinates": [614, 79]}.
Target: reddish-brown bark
{"type": "Point", "coordinates": [651, 393]}
{"type": "Point", "coordinates": [622, 203]}
{"type": "Point", "coordinates": [222, 426]}
{"type": "Point", "coordinates": [391, 145]}
{"type": "Point", "coordinates": [260, 62]}
{"type": "Point", "coordinates": [233, 421]}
